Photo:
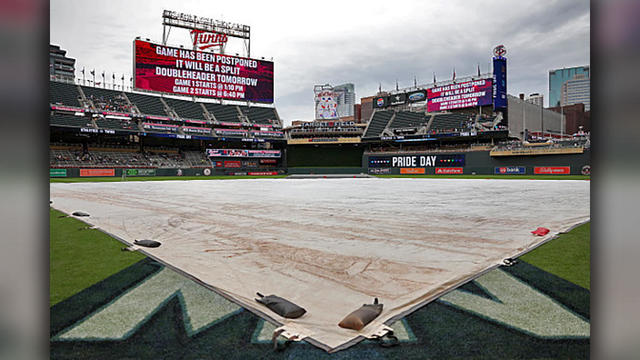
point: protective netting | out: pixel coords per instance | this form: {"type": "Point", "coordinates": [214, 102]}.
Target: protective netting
{"type": "Point", "coordinates": [331, 245]}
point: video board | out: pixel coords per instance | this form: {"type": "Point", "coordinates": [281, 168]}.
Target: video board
{"type": "Point", "coordinates": [203, 74]}
{"type": "Point", "coordinates": [461, 95]}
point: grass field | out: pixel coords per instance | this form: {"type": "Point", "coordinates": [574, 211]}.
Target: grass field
{"type": "Point", "coordinates": [567, 257]}
{"type": "Point", "coordinates": [80, 257]}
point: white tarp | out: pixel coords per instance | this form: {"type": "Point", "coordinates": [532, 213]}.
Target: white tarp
{"type": "Point", "coordinates": [331, 245]}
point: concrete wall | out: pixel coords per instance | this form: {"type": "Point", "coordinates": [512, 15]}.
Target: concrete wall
{"type": "Point", "coordinates": [532, 116]}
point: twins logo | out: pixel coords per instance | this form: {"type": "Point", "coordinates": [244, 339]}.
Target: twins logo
{"type": "Point", "coordinates": [208, 39]}
{"type": "Point", "coordinates": [499, 51]}
{"type": "Point", "coordinates": [380, 102]}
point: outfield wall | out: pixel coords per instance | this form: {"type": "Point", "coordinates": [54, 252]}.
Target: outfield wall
{"type": "Point", "coordinates": [336, 160]}
{"type": "Point", "coordinates": [320, 156]}
{"type": "Point", "coordinates": [326, 170]}
{"type": "Point", "coordinates": [475, 162]}
{"type": "Point", "coordinates": [117, 172]}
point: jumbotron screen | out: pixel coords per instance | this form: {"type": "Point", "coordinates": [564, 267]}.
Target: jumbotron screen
{"type": "Point", "coordinates": [203, 74]}
{"type": "Point", "coordinates": [458, 96]}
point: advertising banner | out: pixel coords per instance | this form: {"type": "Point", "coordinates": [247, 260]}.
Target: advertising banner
{"type": "Point", "coordinates": [154, 117]}
{"type": "Point", "coordinates": [505, 170]}
{"type": "Point", "coordinates": [66, 108]}
{"type": "Point", "coordinates": [141, 172]}
{"type": "Point", "coordinates": [164, 127]}
{"type": "Point", "coordinates": [380, 102]}
{"type": "Point", "coordinates": [97, 172]}
{"type": "Point", "coordinates": [243, 153]}
{"type": "Point", "coordinates": [268, 161]}
{"type": "Point", "coordinates": [231, 132]}
{"type": "Point", "coordinates": [499, 83]}
{"type": "Point", "coordinates": [416, 96]}
{"type": "Point", "coordinates": [412, 171]}
{"type": "Point", "coordinates": [449, 171]}
{"type": "Point", "coordinates": [397, 99]}
{"type": "Point", "coordinates": [232, 164]}
{"type": "Point", "coordinates": [379, 171]}
{"type": "Point", "coordinates": [198, 130]}
{"type": "Point", "coordinates": [552, 170]}
{"type": "Point", "coordinates": [195, 73]}
{"type": "Point", "coordinates": [458, 96]}
{"type": "Point", "coordinates": [57, 172]}
{"type": "Point", "coordinates": [260, 173]}
{"type": "Point", "coordinates": [267, 133]}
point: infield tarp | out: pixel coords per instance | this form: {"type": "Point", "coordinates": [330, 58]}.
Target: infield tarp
{"type": "Point", "coordinates": [331, 245]}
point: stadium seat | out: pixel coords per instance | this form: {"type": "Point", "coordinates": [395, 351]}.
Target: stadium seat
{"type": "Point", "coordinates": [147, 104]}
{"type": "Point", "coordinates": [69, 120]}
{"type": "Point", "coordinates": [63, 94]}
{"type": "Point", "coordinates": [259, 115]}
{"type": "Point", "coordinates": [378, 122]}
{"type": "Point", "coordinates": [223, 113]}
{"type": "Point", "coordinates": [405, 119]}
{"type": "Point", "coordinates": [186, 109]}
{"type": "Point", "coordinates": [448, 122]}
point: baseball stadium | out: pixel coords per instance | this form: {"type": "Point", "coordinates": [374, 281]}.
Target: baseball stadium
{"type": "Point", "coordinates": [188, 220]}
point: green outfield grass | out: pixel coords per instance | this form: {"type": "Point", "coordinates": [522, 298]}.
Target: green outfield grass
{"type": "Point", "coordinates": [79, 258]}
{"type": "Point", "coordinates": [568, 256]}
{"type": "Point", "coordinates": [519, 177]}
{"type": "Point", "coordinates": [160, 178]}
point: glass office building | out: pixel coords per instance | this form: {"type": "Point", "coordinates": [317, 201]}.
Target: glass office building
{"type": "Point", "coordinates": [558, 77]}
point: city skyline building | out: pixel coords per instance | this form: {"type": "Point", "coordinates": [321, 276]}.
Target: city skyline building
{"type": "Point", "coordinates": [557, 78]}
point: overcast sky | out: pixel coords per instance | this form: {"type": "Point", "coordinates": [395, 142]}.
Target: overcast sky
{"type": "Point", "coordinates": [366, 43]}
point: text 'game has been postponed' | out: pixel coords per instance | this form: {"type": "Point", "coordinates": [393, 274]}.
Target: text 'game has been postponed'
{"type": "Point", "coordinates": [203, 74]}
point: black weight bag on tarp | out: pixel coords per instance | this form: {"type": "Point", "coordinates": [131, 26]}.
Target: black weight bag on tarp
{"type": "Point", "coordinates": [361, 317]}
{"type": "Point", "coordinates": [280, 306]}
{"type": "Point", "coordinates": [147, 243]}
